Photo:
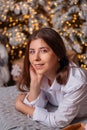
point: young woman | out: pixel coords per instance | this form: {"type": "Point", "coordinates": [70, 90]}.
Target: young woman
{"type": "Point", "coordinates": [48, 75]}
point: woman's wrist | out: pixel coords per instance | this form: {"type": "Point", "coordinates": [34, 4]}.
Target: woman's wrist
{"type": "Point", "coordinates": [33, 94]}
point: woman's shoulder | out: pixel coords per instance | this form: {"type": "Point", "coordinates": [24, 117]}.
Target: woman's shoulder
{"type": "Point", "coordinates": [77, 72]}
{"type": "Point", "coordinates": [77, 78]}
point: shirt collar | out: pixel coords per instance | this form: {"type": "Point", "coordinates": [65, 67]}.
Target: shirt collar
{"type": "Point", "coordinates": [46, 87]}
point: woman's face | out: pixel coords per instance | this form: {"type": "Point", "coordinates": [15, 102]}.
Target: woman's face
{"type": "Point", "coordinates": [42, 58]}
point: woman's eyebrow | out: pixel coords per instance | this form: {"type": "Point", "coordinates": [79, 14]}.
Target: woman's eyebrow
{"type": "Point", "coordinates": [39, 48]}
{"type": "Point", "coordinates": [43, 47]}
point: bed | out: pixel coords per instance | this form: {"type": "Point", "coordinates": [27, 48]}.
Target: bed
{"type": "Point", "coordinates": [11, 119]}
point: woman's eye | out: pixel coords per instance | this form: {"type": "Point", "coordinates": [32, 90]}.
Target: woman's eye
{"type": "Point", "coordinates": [43, 50]}
{"type": "Point", "coordinates": [31, 51]}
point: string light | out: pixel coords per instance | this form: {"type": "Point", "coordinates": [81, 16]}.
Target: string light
{"type": "Point", "coordinates": [18, 20]}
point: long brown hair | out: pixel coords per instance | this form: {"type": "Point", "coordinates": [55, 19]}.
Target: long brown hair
{"type": "Point", "coordinates": [53, 39]}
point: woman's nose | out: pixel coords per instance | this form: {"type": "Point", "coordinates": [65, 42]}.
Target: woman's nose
{"type": "Point", "coordinates": [37, 56]}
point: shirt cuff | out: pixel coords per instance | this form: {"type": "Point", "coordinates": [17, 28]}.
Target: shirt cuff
{"type": "Point", "coordinates": [40, 101]}
{"type": "Point", "coordinates": [32, 103]}
{"type": "Point", "coordinates": [40, 114]}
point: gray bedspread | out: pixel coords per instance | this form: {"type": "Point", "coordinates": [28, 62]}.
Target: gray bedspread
{"type": "Point", "coordinates": [11, 119]}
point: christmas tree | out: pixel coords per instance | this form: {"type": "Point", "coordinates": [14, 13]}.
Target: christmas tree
{"type": "Point", "coordinates": [70, 19]}
{"type": "Point", "coordinates": [19, 18]}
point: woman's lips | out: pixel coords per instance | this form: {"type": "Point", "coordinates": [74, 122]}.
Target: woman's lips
{"type": "Point", "coordinates": [38, 66]}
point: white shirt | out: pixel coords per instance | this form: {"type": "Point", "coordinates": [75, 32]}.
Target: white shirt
{"type": "Point", "coordinates": [71, 99]}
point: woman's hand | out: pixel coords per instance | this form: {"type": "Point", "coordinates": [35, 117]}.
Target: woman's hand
{"type": "Point", "coordinates": [20, 106]}
{"type": "Point", "coordinates": [35, 84]}
{"type": "Point", "coordinates": [35, 77]}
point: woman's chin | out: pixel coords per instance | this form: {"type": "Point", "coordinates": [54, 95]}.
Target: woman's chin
{"type": "Point", "coordinates": [40, 72]}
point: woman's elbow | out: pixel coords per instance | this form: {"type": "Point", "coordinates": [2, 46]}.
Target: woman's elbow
{"type": "Point", "coordinates": [19, 101]}
{"type": "Point", "coordinates": [17, 105]}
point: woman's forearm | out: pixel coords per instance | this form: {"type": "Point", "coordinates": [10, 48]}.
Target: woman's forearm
{"type": "Point", "coordinates": [34, 92]}
{"type": "Point", "coordinates": [25, 108]}
{"type": "Point", "coordinates": [20, 106]}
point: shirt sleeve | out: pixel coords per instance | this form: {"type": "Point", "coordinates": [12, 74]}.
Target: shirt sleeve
{"type": "Point", "coordinates": [66, 112]}
{"type": "Point", "coordinates": [40, 101]}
